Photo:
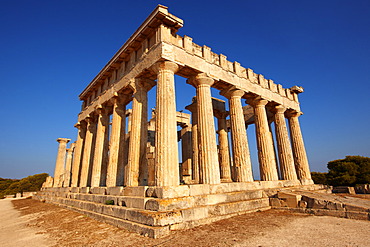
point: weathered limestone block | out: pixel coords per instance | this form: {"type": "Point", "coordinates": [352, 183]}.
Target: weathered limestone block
{"type": "Point", "coordinates": [115, 191]}
{"type": "Point", "coordinates": [168, 218]}
{"type": "Point", "coordinates": [169, 204]}
{"type": "Point", "coordinates": [194, 213]}
{"type": "Point", "coordinates": [234, 207]}
{"type": "Point", "coordinates": [98, 190]}
{"type": "Point", "coordinates": [302, 204]}
{"type": "Point", "coordinates": [290, 199]}
{"type": "Point", "coordinates": [344, 189]}
{"type": "Point", "coordinates": [135, 202]}
{"type": "Point", "coordinates": [135, 191]}
{"type": "Point", "coordinates": [171, 192]}
{"type": "Point", "coordinates": [199, 189]}
{"type": "Point", "coordinates": [275, 202]}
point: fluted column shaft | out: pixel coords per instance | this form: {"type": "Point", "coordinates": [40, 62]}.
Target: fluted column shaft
{"type": "Point", "coordinates": [283, 144]}
{"type": "Point", "coordinates": [194, 141]}
{"type": "Point", "coordinates": [77, 153]}
{"type": "Point", "coordinates": [98, 159]}
{"type": "Point", "coordinates": [59, 164]}
{"type": "Point", "coordinates": [241, 154]}
{"type": "Point", "coordinates": [88, 147]}
{"type": "Point", "coordinates": [166, 153]}
{"type": "Point", "coordinates": [208, 156]}
{"type": "Point", "coordinates": [68, 170]}
{"type": "Point", "coordinates": [265, 146]}
{"type": "Point", "coordinates": [299, 150]}
{"type": "Point", "coordinates": [138, 138]}
{"type": "Point", "coordinates": [115, 169]}
{"type": "Point", "coordinates": [224, 152]}
{"type": "Point", "coordinates": [187, 150]}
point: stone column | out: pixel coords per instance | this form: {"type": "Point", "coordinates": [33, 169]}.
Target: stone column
{"type": "Point", "coordinates": [166, 153]}
{"type": "Point", "coordinates": [274, 147]}
{"type": "Point", "coordinates": [285, 153]}
{"type": "Point", "coordinates": [138, 137]}
{"type": "Point", "coordinates": [299, 150]}
{"type": "Point", "coordinates": [59, 164]}
{"type": "Point", "coordinates": [77, 153]}
{"type": "Point", "coordinates": [88, 147]}
{"type": "Point", "coordinates": [68, 171]}
{"type": "Point", "coordinates": [265, 146]}
{"type": "Point", "coordinates": [101, 131]}
{"type": "Point", "coordinates": [194, 133]}
{"type": "Point", "coordinates": [224, 152]}
{"type": "Point", "coordinates": [241, 154]}
{"type": "Point", "coordinates": [208, 156]}
{"type": "Point", "coordinates": [187, 153]}
{"type": "Point", "coordinates": [115, 169]}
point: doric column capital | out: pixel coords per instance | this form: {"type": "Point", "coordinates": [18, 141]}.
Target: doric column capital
{"type": "Point", "coordinates": [232, 92]}
{"type": "Point", "coordinates": [278, 109]}
{"type": "Point", "coordinates": [164, 65]}
{"type": "Point", "coordinates": [78, 125]}
{"type": "Point", "coordinates": [141, 84]}
{"type": "Point", "coordinates": [120, 98]}
{"type": "Point", "coordinates": [63, 140]}
{"type": "Point", "coordinates": [89, 119]}
{"type": "Point", "coordinates": [101, 110]}
{"type": "Point", "coordinates": [192, 107]}
{"type": "Point", "coordinates": [71, 148]}
{"type": "Point", "coordinates": [201, 79]}
{"type": "Point", "coordinates": [293, 113]}
{"type": "Point", "coordinates": [257, 101]}
{"type": "Point", "coordinates": [221, 115]}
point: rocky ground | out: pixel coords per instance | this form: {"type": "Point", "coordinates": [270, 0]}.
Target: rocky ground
{"type": "Point", "coordinates": [61, 227]}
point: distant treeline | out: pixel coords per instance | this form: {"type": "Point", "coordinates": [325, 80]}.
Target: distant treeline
{"type": "Point", "coordinates": [350, 171]}
{"type": "Point", "coordinates": [13, 186]}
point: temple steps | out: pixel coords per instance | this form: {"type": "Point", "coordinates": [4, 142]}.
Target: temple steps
{"type": "Point", "coordinates": [164, 215]}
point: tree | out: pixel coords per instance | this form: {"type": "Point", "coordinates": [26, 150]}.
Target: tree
{"type": "Point", "coordinates": [349, 171]}
{"type": "Point", "coordinates": [30, 183]}
{"type": "Point", "coordinates": [319, 177]}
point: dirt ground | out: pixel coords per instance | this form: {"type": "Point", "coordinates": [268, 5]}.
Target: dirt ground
{"type": "Point", "coordinates": [269, 228]}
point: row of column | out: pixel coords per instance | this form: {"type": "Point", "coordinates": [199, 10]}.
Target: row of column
{"type": "Point", "coordinates": [91, 159]}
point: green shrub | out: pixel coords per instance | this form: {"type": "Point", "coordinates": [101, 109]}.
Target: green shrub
{"type": "Point", "coordinates": [109, 202]}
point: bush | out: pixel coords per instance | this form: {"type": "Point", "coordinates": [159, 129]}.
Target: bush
{"type": "Point", "coordinates": [319, 177]}
{"type": "Point", "coordinates": [349, 171]}
{"type": "Point", "coordinates": [30, 183]}
{"type": "Point", "coordinates": [109, 202]}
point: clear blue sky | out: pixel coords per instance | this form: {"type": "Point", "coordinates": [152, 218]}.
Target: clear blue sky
{"type": "Point", "coordinates": [51, 50]}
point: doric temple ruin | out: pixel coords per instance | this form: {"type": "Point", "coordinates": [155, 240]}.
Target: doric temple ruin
{"type": "Point", "coordinates": [124, 166]}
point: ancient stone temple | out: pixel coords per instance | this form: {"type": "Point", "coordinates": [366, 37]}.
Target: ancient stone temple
{"type": "Point", "coordinates": [124, 166]}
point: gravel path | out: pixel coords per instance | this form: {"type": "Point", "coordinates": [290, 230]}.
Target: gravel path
{"type": "Point", "coordinates": [14, 230]}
